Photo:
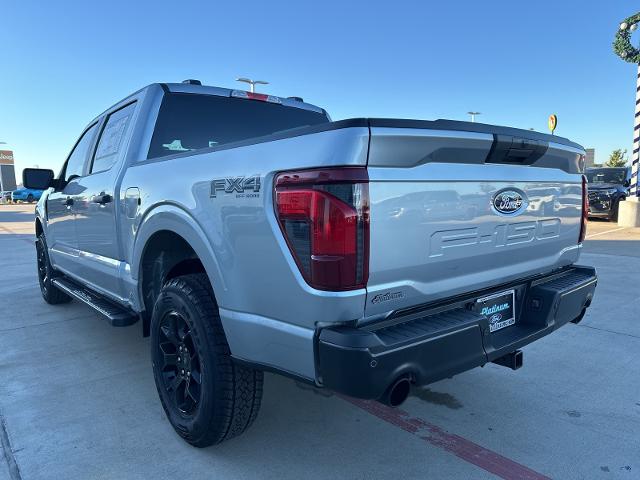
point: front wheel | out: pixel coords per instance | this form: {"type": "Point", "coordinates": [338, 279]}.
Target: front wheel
{"type": "Point", "coordinates": [30, 198]}
{"type": "Point", "coordinates": [206, 397]}
{"type": "Point", "coordinates": [50, 292]}
{"type": "Point", "coordinates": [614, 210]}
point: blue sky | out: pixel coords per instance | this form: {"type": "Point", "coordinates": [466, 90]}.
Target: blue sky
{"type": "Point", "coordinates": [516, 62]}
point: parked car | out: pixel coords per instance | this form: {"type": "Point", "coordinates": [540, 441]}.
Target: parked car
{"type": "Point", "coordinates": [5, 196]}
{"type": "Point", "coordinates": [249, 232]}
{"type": "Point", "coordinates": [608, 186]}
{"type": "Point", "coordinates": [29, 195]}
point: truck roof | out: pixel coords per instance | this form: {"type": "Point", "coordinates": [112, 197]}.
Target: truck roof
{"type": "Point", "coordinates": [189, 86]}
{"type": "Point", "coordinates": [185, 87]}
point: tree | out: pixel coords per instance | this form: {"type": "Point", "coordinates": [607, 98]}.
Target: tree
{"type": "Point", "coordinates": [618, 158]}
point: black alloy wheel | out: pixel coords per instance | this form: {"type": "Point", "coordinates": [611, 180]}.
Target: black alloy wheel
{"type": "Point", "coordinates": [179, 363]}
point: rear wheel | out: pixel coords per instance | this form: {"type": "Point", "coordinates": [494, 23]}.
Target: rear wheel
{"type": "Point", "coordinates": [207, 398]}
{"type": "Point", "coordinates": [50, 292]}
{"type": "Point", "coordinates": [30, 198]}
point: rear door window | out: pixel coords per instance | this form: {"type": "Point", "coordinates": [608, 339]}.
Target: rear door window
{"type": "Point", "coordinates": [189, 122]}
{"type": "Point", "coordinates": [111, 139]}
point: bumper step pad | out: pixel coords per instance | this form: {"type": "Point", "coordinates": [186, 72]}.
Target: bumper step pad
{"type": "Point", "coordinates": [434, 344]}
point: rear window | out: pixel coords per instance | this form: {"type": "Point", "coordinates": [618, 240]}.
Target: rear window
{"type": "Point", "coordinates": [190, 122]}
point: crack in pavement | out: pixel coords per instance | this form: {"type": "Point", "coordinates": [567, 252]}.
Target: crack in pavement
{"type": "Point", "coordinates": [12, 329]}
{"type": "Point", "coordinates": [14, 470]}
{"type": "Point", "coordinates": [610, 331]}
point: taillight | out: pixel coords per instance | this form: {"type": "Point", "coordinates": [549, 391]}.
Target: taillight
{"type": "Point", "coordinates": [585, 210]}
{"type": "Point", "coordinates": [324, 216]}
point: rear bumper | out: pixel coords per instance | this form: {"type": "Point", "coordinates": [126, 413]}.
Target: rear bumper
{"type": "Point", "coordinates": [442, 341]}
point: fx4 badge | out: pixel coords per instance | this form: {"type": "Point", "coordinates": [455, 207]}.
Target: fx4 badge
{"type": "Point", "coordinates": [241, 186]}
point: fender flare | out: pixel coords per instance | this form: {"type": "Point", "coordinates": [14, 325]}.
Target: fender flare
{"type": "Point", "coordinates": [172, 218]}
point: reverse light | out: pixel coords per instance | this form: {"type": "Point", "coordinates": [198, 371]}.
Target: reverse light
{"type": "Point", "coordinates": [585, 210]}
{"type": "Point", "coordinates": [324, 217]}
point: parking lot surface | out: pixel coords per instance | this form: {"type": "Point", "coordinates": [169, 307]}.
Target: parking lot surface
{"type": "Point", "coordinates": [77, 398]}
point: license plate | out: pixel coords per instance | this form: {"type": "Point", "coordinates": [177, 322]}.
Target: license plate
{"type": "Point", "coordinates": [499, 309]}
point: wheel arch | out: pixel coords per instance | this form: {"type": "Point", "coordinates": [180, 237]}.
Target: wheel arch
{"type": "Point", "coordinates": [170, 242]}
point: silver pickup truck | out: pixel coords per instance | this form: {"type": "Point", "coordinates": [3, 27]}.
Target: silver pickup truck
{"type": "Point", "coordinates": [250, 233]}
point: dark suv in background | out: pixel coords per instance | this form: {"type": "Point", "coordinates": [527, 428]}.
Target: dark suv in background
{"type": "Point", "coordinates": [607, 186]}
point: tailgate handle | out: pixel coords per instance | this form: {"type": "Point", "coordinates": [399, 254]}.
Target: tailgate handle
{"type": "Point", "coordinates": [516, 150]}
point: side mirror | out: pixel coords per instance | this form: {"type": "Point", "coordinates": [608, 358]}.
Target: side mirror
{"type": "Point", "coordinates": [627, 183]}
{"type": "Point", "coordinates": [37, 178]}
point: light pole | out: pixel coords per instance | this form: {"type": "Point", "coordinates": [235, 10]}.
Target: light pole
{"type": "Point", "coordinates": [473, 115]}
{"type": "Point", "coordinates": [253, 83]}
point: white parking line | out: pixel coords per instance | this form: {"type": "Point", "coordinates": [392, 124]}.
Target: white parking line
{"type": "Point", "coordinates": [607, 231]}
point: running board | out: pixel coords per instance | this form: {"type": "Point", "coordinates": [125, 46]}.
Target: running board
{"type": "Point", "coordinates": [118, 316]}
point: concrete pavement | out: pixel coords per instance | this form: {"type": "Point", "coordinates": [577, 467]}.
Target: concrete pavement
{"type": "Point", "coordinates": [77, 398]}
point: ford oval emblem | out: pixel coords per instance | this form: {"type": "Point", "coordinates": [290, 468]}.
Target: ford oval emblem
{"type": "Point", "coordinates": [509, 202]}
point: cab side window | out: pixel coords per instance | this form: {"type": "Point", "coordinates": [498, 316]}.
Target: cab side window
{"type": "Point", "coordinates": [111, 139]}
{"type": "Point", "coordinates": [78, 157]}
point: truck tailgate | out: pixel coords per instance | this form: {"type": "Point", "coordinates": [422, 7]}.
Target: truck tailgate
{"type": "Point", "coordinates": [457, 207]}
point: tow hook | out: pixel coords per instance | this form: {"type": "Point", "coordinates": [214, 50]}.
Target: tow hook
{"type": "Point", "coordinates": [511, 360]}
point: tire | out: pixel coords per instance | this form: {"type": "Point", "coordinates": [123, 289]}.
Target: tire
{"type": "Point", "coordinates": [226, 399]}
{"type": "Point", "coordinates": [30, 198]}
{"type": "Point", "coordinates": [50, 292]}
{"type": "Point", "coordinates": [579, 318]}
{"type": "Point", "coordinates": [614, 211]}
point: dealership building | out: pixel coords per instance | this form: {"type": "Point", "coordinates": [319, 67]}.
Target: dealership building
{"type": "Point", "coordinates": [7, 171]}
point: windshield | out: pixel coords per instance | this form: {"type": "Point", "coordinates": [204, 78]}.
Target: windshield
{"type": "Point", "coordinates": [190, 122]}
{"type": "Point", "coordinates": [606, 175]}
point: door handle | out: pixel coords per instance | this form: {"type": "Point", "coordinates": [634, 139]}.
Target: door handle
{"type": "Point", "coordinates": [68, 202]}
{"type": "Point", "coordinates": [101, 199]}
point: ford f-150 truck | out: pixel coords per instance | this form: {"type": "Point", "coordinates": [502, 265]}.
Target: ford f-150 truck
{"type": "Point", "coordinates": [250, 233]}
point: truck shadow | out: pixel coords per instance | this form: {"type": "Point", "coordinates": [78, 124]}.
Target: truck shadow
{"type": "Point", "coordinates": [298, 426]}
